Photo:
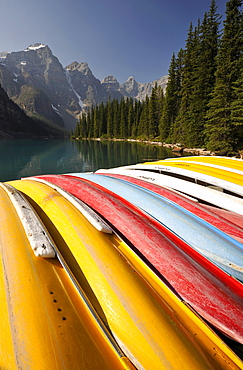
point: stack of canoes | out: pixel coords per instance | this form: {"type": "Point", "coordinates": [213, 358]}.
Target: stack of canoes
{"type": "Point", "coordinates": [136, 267]}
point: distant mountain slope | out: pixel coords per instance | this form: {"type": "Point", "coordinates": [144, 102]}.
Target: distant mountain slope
{"type": "Point", "coordinates": [15, 123]}
{"type": "Point", "coordinates": [35, 79]}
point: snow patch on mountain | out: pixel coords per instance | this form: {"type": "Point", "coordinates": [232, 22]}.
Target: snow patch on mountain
{"type": "Point", "coordinates": [80, 102]}
{"type": "Point", "coordinates": [35, 47]}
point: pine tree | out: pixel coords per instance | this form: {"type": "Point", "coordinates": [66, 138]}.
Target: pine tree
{"type": "Point", "coordinates": [89, 124]}
{"type": "Point", "coordinates": [96, 122]}
{"type": "Point", "coordinates": [153, 117]}
{"type": "Point", "coordinates": [144, 120]}
{"type": "Point", "coordinates": [102, 124]}
{"type": "Point", "coordinates": [183, 120]}
{"type": "Point", "coordinates": [123, 119]}
{"type": "Point", "coordinates": [115, 109]}
{"type": "Point", "coordinates": [237, 112]}
{"type": "Point", "coordinates": [220, 128]}
{"type": "Point", "coordinates": [203, 75]}
{"type": "Point", "coordinates": [109, 119]}
{"type": "Point", "coordinates": [130, 117]}
{"type": "Point", "coordinates": [170, 110]}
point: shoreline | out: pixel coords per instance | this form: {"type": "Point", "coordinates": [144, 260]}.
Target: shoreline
{"type": "Point", "coordinates": [176, 148]}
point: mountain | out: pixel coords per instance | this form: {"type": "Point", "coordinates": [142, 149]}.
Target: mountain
{"type": "Point", "coordinates": [138, 90]}
{"type": "Point", "coordinates": [88, 89]}
{"type": "Point", "coordinates": [35, 79]}
{"type": "Point", "coordinates": [14, 123]}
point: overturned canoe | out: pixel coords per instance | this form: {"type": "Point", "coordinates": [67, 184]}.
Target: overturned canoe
{"type": "Point", "coordinates": [130, 295]}
{"type": "Point", "coordinates": [228, 162]}
{"type": "Point", "coordinates": [163, 250]}
{"type": "Point", "coordinates": [225, 178]}
{"type": "Point", "coordinates": [194, 190]}
{"type": "Point", "coordinates": [47, 322]}
{"type": "Point", "coordinates": [229, 222]}
{"type": "Point", "coordinates": [213, 243]}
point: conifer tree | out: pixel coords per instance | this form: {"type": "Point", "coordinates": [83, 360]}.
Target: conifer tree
{"type": "Point", "coordinates": [144, 119]}
{"type": "Point", "coordinates": [89, 124]}
{"type": "Point", "coordinates": [153, 114]}
{"type": "Point", "coordinates": [220, 128]}
{"type": "Point", "coordinates": [183, 120]}
{"type": "Point", "coordinates": [115, 118]}
{"type": "Point", "coordinates": [102, 125]}
{"type": "Point", "coordinates": [83, 130]}
{"type": "Point", "coordinates": [170, 110]}
{"type": "Point", "coordinates": [95, 116]}
{"type": "Point", "coordinates": [237, 112]}
{"type": "Point", "coordinates": [123, 119]}
{"type": "Point", "coordinates": [109, 119]}
{"type": "Point", "coordinates": [203, 75]}
{"type": "Point", "coordinates": [175, 125]}
{"type": "Point", "coordinates": [130, 117]}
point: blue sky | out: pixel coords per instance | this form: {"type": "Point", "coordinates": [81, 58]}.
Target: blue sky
{"type": "Point", "coordinates": [122, 38]}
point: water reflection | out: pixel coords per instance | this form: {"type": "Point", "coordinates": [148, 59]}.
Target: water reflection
{"type": "Point", "coordinates": [22, 158]}
{"type": "Point", "coordinates": [107, 154]}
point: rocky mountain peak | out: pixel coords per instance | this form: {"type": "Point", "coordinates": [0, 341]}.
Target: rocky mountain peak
{"type": "Point", "coordinates": [80, 67]}
{"type": "Point", "coordinates": [110, 83]}
{"type": "Point", "coordinates": [130, 87]}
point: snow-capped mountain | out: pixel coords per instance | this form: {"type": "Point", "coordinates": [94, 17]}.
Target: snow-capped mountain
{"type": "Point", "coordinates": [35, 79]}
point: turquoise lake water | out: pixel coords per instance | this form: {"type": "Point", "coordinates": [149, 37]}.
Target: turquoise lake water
{"type": "Point", "coordinates": [25, 157]}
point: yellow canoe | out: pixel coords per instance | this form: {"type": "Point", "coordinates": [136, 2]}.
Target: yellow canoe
{"type": "Point", "coordinates": [209, 174]}
{"type": "Point", "coordinates": [214, 171]}
{"type": "Point", "coordinates": [232, 163]}
{"type": "Point", "coordinates": [151, 325]}
{"type": "Point", "coordinates": [45, 323]}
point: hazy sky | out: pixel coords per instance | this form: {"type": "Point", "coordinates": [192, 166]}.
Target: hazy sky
{"type": "Point", "coordinates": [122, 38]}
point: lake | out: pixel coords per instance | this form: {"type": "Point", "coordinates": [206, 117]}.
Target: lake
{"type": "Point", "coordinates": [28, 157]}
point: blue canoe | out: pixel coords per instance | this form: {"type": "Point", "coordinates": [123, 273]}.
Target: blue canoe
{"type": "Point", "coordinates": [214, 244]}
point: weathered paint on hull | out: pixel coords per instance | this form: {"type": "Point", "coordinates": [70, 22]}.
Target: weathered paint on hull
{"type": "Point", "coordinates": [44, 324]}
{"type": "Point", "coordinates": [130, 306]}
{"type": "Point", "coordinates": [194, 283]}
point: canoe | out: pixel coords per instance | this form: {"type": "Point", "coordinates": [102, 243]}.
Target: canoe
{"type": "Point", "coordinates": [224, 251]}
{"type": "Point", "coordinates": [46, 321]}
{"type": "Point", "coordinates": [132, 309]}
{"type": "Point", "coordinates": [231, 163]}
{"type": "Point", "coordinates": [210, 291]}
{"type": "Point", "coordinates": [198, 192]}
{"type": "Point", "coordinates": [228, 222]}
{"type": "Point", "coordinates": [230, 171]}
{"type": "Point", "coordinates": [212, 175]}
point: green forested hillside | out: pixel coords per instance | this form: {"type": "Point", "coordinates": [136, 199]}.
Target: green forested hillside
{"type": "Point", "coordinates": [203, 102]}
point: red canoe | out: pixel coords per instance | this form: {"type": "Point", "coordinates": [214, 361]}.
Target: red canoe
{"type": "Point", "coordinates": [216, 296]}
{"type": "Point", "coordinates": [229, 222]}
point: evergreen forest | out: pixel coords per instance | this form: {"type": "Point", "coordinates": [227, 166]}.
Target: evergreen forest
{"type": "Point", "coordinates": [202, 106]}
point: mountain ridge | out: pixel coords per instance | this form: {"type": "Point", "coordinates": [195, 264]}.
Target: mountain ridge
{"type": "Point", "coordinates": [60, 93]}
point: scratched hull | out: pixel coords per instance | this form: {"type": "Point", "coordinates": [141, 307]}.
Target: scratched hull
{"type": "Point", "coordinates": [134, 302]}
{"type": "Point", "coordinates": [229, 222]}
{"type": "Point", "coordinates": [214, 244]}
{"type": "Point", "coordinates": [192, 276]}
{"type": "Point", "coordinates": [198, 192]}
{"type": "Point", "coordinates": [45, 323]}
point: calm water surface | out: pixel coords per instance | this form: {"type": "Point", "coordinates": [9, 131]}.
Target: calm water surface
{"type": "Point", "coordinates": [22, 158]}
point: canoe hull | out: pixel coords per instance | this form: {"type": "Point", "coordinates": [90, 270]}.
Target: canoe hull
{"type": "Point", "coordinates": [144, 235]}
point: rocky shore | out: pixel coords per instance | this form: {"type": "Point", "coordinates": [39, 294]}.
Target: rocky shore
{"type": "Point", "coordinates": [176, 148]}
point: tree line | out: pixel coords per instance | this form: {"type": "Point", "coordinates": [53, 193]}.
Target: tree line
{"type": "Point", "coordinates": [203, 102]}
